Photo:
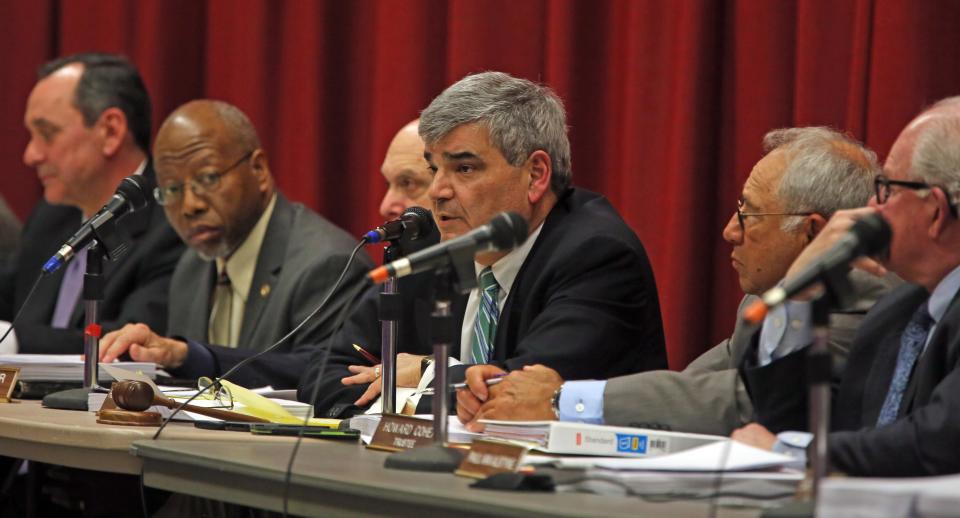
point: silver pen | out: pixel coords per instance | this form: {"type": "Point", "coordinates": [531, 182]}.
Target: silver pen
{"type": "Point", "coordinates": [429, 391]}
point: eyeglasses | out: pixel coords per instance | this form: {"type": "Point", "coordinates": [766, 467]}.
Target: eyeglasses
{"type": "Point", "coordinates": [882, 186]}
{"type": "Point", "coordinates": [200, 185]}
{"type": "Point", "coordinates": [741, 214]}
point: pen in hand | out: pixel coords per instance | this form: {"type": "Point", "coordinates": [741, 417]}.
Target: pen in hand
{"type": "Point", "coordinates": [458, 386]}
{"type": "Point", "coordinates": [366, 354]}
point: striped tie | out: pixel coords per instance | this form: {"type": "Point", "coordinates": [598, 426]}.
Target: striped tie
{"type": "Point", "coordinates": [485, 327]}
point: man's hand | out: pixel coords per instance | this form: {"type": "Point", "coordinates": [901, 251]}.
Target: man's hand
{"type": "Point", "coordinates": [143, 345]}
{"type": "Point", "coordinates": [408, 375]}
{"type": "Point", "coordinates": [469, 399]}
{"type": "Point", "coordinates": [755, 435]}
{"type": "Point", "coordinates": [833, 231]}
{"type": "Point", "coordinates": [522, 395]}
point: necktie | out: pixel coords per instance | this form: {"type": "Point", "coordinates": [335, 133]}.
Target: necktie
{"type": "Point", "coordinates": [485, 327]}
{"type": "Point", "coordinates": [911, 343]}
{"type": "Point", "coordinates": [70, 289]}
{"type": "Point", "coordinates": [219, 329]}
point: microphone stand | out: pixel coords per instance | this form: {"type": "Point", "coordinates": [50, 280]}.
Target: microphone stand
{"type": "Point", "coordinates": [458, 275]}
{"type": "Point", "coordinates": [390, 312]}
{"type": "Point", "coordinates": [110, 243]}
{"type": "Point", "coordinates": [837, 290]}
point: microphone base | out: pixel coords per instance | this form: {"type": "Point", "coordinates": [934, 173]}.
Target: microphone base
{"type": "Point", "coordinates": [435, 458]}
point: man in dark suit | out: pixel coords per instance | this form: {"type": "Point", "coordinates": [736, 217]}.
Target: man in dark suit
{"type": "Point", "coordinates": [897, 412]}
{"type": "Point", "coordinates": [578, 294]}
{"type": "Point", "coordinates": [89, 123]}
{"type": "Point", "coordinates": [257, 266]}
{"type": "Point", "coordinates": [805, 176]}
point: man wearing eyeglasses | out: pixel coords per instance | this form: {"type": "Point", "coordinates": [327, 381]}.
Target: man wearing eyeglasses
{"type": "Point", "coordinates": [88, 118]}
{"type": "Point", "coordinates": [897, 412]}
{"type": "Point", "coordinates": [806, 175]}
{"type": "Point", "coordinates": [257, 264]}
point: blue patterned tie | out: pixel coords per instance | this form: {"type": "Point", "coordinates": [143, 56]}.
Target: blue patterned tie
{"type": "Point", "coordinates": [70, 290]}
{"type": "Point", "coordinates": [911, 343]}
{"type": "Point", "coordinates": [485, 327]}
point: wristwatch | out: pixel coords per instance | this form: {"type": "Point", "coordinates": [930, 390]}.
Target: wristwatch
{"type": "Point", "coordinates": [555, 402]}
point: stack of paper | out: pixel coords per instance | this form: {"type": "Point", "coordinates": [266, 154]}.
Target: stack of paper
{"type": "Point", "coordinates": [883, 497]}
{"type": "Point", "coordinates": [65, 367]}
{"type": "Point", "coordinates": [592, 439]}
{"type": "Point", "coordinates": [723, 467]}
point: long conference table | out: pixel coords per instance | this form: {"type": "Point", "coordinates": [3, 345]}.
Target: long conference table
{"type": "Point", "coordinates": [330, 478]}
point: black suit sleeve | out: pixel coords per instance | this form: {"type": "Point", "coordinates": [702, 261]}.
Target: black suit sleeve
{"type": "Point", "coordinates": [921, 443]}
{"type": "Point", "coordinates": [600, 316]}
{"type": "Point", "coordinates": [361, 327]}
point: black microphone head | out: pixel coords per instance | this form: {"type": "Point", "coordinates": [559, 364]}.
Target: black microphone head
{"type": "Point", "coordinates": [509, 230]}
{"type": "Point", "coordinates": [134, 189]}
{"type": "Point", "coordinates": [873, 234]}
{"type": "Point", "coordinates": [419, 221]}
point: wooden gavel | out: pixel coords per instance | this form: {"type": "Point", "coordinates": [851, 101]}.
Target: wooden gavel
{"type": "Point", "coordinates": [139, 396]}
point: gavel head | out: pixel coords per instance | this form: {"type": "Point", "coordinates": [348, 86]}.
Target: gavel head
{"type": "Point", "coordinates": [132, 395]}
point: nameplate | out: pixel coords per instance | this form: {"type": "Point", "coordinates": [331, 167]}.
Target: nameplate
{"type": "Point", "coordinates": [487, 457]}
{"type": "Point", "coordinates": [399, 432]}
{"type": "Point", "coordinates": [8, 381]}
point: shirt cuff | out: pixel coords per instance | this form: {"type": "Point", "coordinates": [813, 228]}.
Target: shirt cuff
{"type": "Point", "coordinates": [793, 444]}
{"type": "Point", "coordinates": [786, 328]}
{"type": "Point", "coordinates": [582, 401]}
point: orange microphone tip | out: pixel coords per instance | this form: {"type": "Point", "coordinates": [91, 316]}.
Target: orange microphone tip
{"type": "Point", "coordinates": [755, 313]}
{"type": "Point", "coordinates": [379, 275]}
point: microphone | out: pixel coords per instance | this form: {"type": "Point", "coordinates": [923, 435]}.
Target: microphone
{"type": "Point", "coordinates": [505, 231]}
{"type": "Point", "coordinates": [414, 222]}
{"type": "Point", "coordinates": [868, 236]}
{"type": "Point", "coordinates": [130, 196]}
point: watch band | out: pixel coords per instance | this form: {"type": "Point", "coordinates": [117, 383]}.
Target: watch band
{"type": "Point", "coordinates": [555, 402]}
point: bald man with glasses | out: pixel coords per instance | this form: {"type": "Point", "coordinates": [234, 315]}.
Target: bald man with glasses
{"type": "Point", "coordinates": [257, 264]}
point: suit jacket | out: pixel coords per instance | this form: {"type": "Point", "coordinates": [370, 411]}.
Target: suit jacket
{"type": "Point", "coordinates": [709, 396]}
{"type": "Point", "coordinates": [923, 439]}
{"type": "Point", "coordinates": [135, 289]}
{"type": "Point", "coordinates": [584, 303]}
{"type": "Point", "coordinates": [299, 261]}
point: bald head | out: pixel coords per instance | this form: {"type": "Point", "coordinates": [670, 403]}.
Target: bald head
{"type": "Point", "coordinates": [406, 173]}
{"type": "Point", "coordinates": [214, 178]}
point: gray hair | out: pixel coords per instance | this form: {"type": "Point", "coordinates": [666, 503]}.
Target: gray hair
{"type": "Point", "coordinates": [521, 116]}
{"type": "Point", "coordinates": [826, 171]}
{"type": "Point", "coordinates": [936, 154]}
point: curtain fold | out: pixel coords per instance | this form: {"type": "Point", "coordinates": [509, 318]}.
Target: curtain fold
{"type": "Point", "coordinates": [667, 100]}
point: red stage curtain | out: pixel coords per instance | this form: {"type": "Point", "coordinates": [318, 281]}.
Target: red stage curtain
{"type": "Point", "coordinates": [667, 99]}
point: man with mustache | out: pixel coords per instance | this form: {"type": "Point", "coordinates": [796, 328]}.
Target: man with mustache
{"type": "Point", "coordinates": [89, 122]}
{"type": "Point", "coordinates": [897, 411]}
{"type": "Point", "coordinates": [257, 264]}
{"type": "Point", "coordinates": [805, 175]}
{"type": "Point", "coordinates": [578, 294]}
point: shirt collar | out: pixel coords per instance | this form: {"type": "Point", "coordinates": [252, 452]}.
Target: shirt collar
{"type": "Point", "coordinates": [506, 268]}
{"type": "Point", "coordinates": [141, 168]}
{"type": "Point", "coordinates": [943, 294]}
{"type": "Point", "coordinates": [243, 261]}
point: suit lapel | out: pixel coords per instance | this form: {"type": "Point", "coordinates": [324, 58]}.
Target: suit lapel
{"type": "Point", "coordinates": [269, 265]}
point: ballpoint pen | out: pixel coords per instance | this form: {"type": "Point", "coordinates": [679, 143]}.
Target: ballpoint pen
{"type": "Point", "coordinates": [369, 357]}
{"type": "Point", "coordinates": [457, 386]}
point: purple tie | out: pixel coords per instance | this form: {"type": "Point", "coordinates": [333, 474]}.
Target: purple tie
{"type": "Point", "coordinates": [70, 290]}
